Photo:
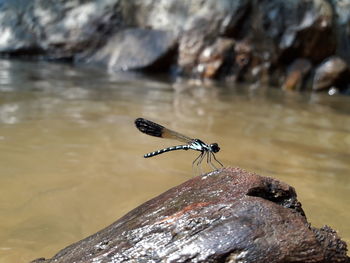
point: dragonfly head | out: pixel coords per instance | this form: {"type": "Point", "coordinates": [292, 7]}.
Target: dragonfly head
{"type": "Point", "coordinates": [214, 147]}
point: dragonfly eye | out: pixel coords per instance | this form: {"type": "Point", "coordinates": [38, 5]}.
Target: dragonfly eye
{"type": "Point", "coordinates": [214, 147]}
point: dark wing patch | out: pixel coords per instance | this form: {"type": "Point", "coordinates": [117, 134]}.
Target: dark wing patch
{"type": "Point", "coordinates": [149, 127]}
{"type": "Point", "coordinates": [154, 129]}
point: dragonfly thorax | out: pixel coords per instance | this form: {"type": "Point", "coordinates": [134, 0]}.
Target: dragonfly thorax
{"type": "Point", "coordinates": [201, 146]}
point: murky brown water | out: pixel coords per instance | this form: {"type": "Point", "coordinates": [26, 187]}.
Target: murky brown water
{"type": "Point", "coordinates": [71, 159]}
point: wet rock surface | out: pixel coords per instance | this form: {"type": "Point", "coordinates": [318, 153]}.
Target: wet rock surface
{"type": "Point", "coordinates": [245, 40]}
{"type": "Point", "coordinates": [229, 215]}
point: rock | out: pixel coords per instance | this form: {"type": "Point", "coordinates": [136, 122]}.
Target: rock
{"type": "Point", "coordinates": [307, 31]}
{"type": "Point", "coordinates": [333, 72]}
{"type": "Point", "coordinates": [274, 33]}
{"type": "Point", "coordinates": [134, 49]}
{"type": "Point", "coordinates": [16, 35]}
{"type": "Point", "coordinates": [56, 28]}
{"type": "Point", "coordinates": [229, 215]}
{"type": "Point", "coordinates": [242, 60]}
{"type": "Point", "coordinates": [296, 74]}
{"type": "Point", "coordinates": [203, 31]}
{"type": "Point", "coordinates": [212, 58]}
{"type": "Point", "coordinates": [342, 31]}
{"type": "Point", "coordinates": [194, 37]}
{"type": "Point", "coordinates": [200, 35]}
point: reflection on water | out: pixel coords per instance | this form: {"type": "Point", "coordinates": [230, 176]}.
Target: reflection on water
{"type": "Point", "coordinates": [71, 159]}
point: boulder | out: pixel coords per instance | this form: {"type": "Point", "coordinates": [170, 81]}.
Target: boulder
{"type": "Point", "coordinates": [243, 40]}
{"type": "Point", "coordinates": [55, 29]}
{"type": "Point", "coordinates": [297, 74]}
{"type": "Point", "coordinates": [333, 72]}
{"type": "Point", "coordinates": [134, 49]}
{"type": "Point", "coordinates": [229, 215]}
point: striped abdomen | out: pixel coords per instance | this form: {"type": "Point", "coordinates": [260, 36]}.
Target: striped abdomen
{"type": "Point", "coordinates": [172, 148]}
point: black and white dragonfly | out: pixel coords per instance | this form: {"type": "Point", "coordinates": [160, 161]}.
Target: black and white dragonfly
{"type": "Point", "coordinates": [154, 129]}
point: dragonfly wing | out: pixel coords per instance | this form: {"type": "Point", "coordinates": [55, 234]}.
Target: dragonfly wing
{"type": "Point", "coordinates": [149, 127]}
{"type": "Point", "coordinates": [154, 129]}
{"type": "Point", "coordinates": [167, 133]}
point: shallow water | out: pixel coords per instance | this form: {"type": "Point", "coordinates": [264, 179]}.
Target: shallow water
{"type": "Point", "coordinates": [71, 159]}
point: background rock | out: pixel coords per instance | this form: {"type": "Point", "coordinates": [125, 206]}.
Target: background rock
{"type": "Point", "coordinates": [134, 49]}
{"type": "Point", "coordinates": [277, 33]}
{"type": "Point", "coordinates": [333, 72]}
{"type": "Point", "coordinates": [55, 29]}
{"type": "Point", "coordinates": [296, 74]}
{"type": "Point", "coordinates": [342, 28]}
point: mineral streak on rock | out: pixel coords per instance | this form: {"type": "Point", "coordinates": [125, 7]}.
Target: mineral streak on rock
{"type": "Point", "coordinates": [229, 215]}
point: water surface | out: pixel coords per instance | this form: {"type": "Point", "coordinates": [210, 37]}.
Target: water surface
{"type": "Point", "coordinates": [71, 159]}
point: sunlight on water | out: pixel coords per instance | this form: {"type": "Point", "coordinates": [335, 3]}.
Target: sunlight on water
{"type": "Point", "coordinates": [71, 159]}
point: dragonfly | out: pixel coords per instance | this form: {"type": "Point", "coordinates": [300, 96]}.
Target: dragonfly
{"type": "Point", "coordinates": [154, 129]}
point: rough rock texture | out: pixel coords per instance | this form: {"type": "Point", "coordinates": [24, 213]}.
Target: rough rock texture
{"type": "Point", "coordinates": [228, 215]}
{"type": "Point", "coordinates": [243, 40]}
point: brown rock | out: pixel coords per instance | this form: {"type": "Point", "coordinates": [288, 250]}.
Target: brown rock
{"type": "Point", "coordinates": [243, 52]}
{"type": "Point", "coordinates": [191, 45]}
{"type": "Point", "coordinates": [213, 57]}
{"type": "Point", "coordinates": [243, 59]}
{"type": "Point", "coordinates": [332, 72]}
{"type": "Point", "coordinates": [308, 30]}
{"type": "Point", "coordinates": [228, 215]}
{"type": "Point", "coordinates": [296, 74]}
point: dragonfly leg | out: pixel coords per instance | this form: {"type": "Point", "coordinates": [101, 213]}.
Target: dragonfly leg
{"type": "Point", "coordinates": [200, 162]}
{"type": "Point", "coordinates": [210, 162]}
{"type": "Point", "coordinates": [217, 160]}
{"type": "Point", "coordinates": [201, 159]}
{"type": "Point", "coordinates": [195, 162]}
